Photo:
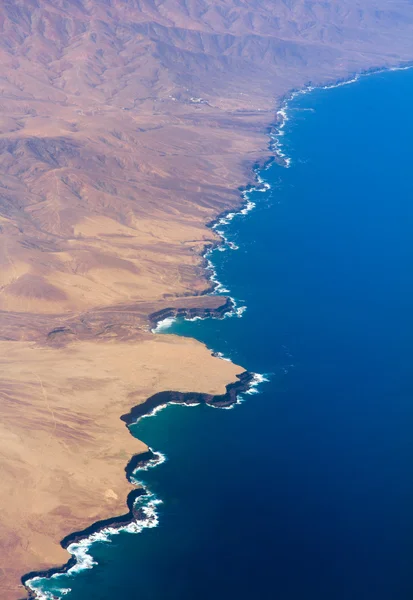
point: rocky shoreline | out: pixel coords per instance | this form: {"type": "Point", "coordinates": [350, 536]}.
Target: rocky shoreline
{"type": "Point", "coordinates": [191, 312]}
{"type": "Point", "coordinates": [115, 522]}
{"type": "Point", "coordinates": [244, 382]}
{"type": "Point", "coordinates": [139, 461]}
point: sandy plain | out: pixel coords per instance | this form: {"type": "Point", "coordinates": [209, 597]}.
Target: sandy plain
{"type": "Point", "coordinates": [126, 127]}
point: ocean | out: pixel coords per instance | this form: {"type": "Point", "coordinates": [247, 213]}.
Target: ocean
{"type": "Point", "coordinates": [305, 489]}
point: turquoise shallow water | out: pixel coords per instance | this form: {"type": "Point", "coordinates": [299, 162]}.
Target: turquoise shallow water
{"type": "Point", "coordinates": [306, 489]}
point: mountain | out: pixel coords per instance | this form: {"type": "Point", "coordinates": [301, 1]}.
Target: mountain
{"type": "Point", "coordinates": [125, 127]}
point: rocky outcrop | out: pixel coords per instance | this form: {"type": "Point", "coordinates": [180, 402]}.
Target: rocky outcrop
{"type": "Point", "coordinates": [230, 397]}
{"type": "Point", "coordinates": [203, 312]}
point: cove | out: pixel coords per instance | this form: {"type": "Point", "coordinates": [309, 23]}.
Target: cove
{"type": "Point", "coordinates": [304, 490]}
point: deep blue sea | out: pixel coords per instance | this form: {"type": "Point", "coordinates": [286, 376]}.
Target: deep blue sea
{"type": "Point", "coordinates": [305, 490]}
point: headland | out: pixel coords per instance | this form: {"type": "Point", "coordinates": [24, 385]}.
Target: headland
{"type": "Point", "coordinates": [126, 128]}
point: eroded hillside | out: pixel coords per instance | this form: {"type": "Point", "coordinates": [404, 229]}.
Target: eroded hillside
{"type": "Point", "coordinates": [125, 127]}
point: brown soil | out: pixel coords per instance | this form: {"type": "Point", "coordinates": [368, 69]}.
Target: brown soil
{"type": "Point", "coordinates": [125, 127]}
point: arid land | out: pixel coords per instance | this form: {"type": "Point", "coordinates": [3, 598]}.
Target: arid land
{"type": "Point", "coordinates": [125, 127]}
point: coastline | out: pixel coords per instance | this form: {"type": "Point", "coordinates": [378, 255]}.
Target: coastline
{"type": "Point", "coordinates": [154, 403]}
{"type": "Point", "coordinates": [138, 517]}
{"type": "Point", "coordinates": [277, 130]}
{"type": "Point", "coordinates": [159, 319]}
{"type": "Point", "coordinates": [158, 322]}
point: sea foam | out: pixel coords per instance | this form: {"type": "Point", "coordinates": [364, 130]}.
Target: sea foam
{"type": "Point", "coordinates": [80, 550]}
{"type": "Point", "coordinates": [257, 380]}
{"type": "Point", "coordinates": [163, 324]}
{"type": "Point", "coordinates": [146, 504]}
{"type": "Point", "coordinates": [283, 116]}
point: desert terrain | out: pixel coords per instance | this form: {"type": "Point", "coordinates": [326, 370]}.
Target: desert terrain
{"type": "Point", "coordinates": [126, 127]}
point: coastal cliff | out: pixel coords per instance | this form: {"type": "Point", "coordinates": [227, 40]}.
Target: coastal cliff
{"type": "Point", "coordinates": [126, 129]}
